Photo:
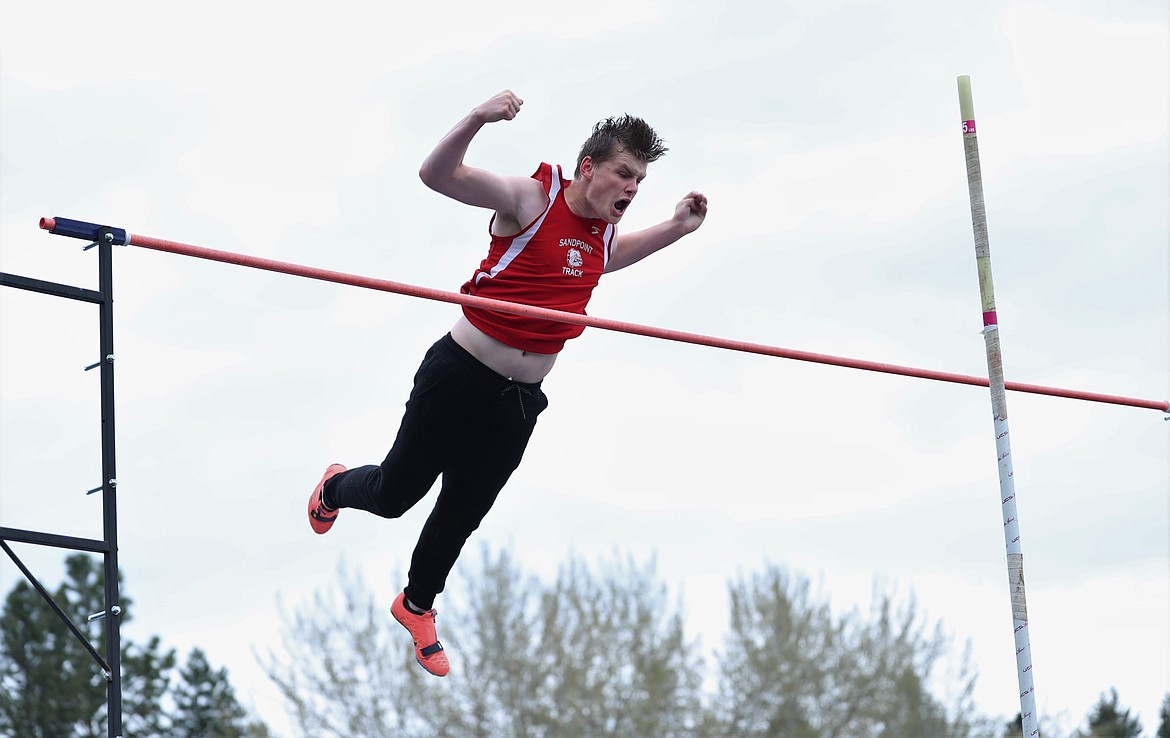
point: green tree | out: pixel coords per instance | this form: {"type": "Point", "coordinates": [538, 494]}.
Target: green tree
{"type": "Point", "coordinates": [792, 668]}
{"type": "Point", "coordinates": [1164, 718]}
{"type": "Point", "coordinates": [602, 653]}
{"type": "Point", "coordinates": [346, 672]}
{"type": "Point", "coordinates": [46, 682]}
{"type": "Point", "coordinates": [1016, 726]}
{"type": "Point", "coordinates": [597, 653]}
{"type": "Point", "coordinates": [593, 654]}
{"type": "Point", "coordinates": [206, 704]}
{"type": "Point", "coordinates": [146, 678]}
{"type": "Point", "coordinates": [1107, 719]}
{"type": "Point", "coordinates": [51, 687]}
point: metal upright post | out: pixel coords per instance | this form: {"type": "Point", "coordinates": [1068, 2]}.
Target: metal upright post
{"type": "Point", "coordinates": [104, 239]}
{"type": "Point", "coordinates": [113, 611]}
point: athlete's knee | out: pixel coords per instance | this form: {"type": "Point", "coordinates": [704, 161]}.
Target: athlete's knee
{"type": "Point", "coordinates": [393, 498]}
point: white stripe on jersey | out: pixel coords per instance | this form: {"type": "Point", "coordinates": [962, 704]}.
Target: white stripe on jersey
{"type": "Point", "coordinates": [520, 241]}
{"type": "Point", "coordinates": [607, 239]}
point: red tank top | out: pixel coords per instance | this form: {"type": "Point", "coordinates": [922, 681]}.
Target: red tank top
{"type": "Point", "coordinates": [555, 262]}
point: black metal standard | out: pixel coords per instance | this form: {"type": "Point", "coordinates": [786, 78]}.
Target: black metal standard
{"type": "Point", "coordinates": [110, 616]}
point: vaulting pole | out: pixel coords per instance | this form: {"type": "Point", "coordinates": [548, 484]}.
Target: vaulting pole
{"type": "Point", "coordinates": [1007, 487]}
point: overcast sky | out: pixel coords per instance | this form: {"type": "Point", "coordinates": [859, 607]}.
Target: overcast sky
{"type": "Point", "coordinates": [825, 134]}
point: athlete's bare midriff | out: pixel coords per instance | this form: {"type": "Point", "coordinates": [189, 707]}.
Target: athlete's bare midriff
{"type": "Point", "coordinates": [513, 363]}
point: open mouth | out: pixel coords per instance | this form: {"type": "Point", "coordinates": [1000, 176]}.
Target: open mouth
{"type": "Point", "coordinates": [621, 205]}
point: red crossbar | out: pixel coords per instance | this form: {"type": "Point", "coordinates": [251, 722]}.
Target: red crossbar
{"type": "Point", "coordinates": [383, 285]}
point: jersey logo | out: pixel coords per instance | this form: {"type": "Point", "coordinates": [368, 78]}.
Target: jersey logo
{"type": "Point", "coordinates": [575, 260]}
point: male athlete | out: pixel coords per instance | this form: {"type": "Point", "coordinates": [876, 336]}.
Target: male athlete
{"type": "Point", "coordinates": [477, 394]}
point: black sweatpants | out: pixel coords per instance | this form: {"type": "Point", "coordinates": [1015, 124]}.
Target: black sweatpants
{"type": "Point", "coordinates": [465, 422]}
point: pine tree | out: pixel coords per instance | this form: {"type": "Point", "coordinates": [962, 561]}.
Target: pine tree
{"type": "Point", "coordinates": [51, 687]}
{"type": "Point", "coordinates": [48, 683]}
{"type": "Point", "coordinates": [1164, 718]}
{"type": "Point", "coordinates": [205, 703]}
{"type": "Point", "coordinates": [146, 679]}
{"type": "Point", "coordinates": [1108, 720]}
{"type": "Point", "coordinates": [1016, 726]}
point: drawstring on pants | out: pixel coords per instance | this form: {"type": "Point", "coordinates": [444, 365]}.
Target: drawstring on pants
{"type": "Point", "coordinates": [520, 392]}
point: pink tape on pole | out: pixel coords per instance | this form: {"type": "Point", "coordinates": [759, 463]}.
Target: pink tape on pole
{"type": "Point", "coordinates": [990, 318]}
{"type": "Point", "coordinates": [968, 127]}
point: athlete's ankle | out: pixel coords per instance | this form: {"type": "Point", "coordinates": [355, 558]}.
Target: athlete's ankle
{"type": "Point", "coordinates": [327, 500]}
{"type": "Point", "coordinates": [412, 608]}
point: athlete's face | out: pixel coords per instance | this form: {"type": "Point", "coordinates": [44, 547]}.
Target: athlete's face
{"type": "Point", "coordinates": [613, 184]}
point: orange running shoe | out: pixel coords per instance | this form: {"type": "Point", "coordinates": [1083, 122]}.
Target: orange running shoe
{"type": "Point", "coordinates": [321, 517]}
{"type": "Point", "coordinates": [427, 649]}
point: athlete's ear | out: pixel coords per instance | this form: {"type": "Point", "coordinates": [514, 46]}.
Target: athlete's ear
{"type": "Point", "coordinates": [587, 167]}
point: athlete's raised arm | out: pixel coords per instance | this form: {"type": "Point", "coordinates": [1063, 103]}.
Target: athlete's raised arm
{"type": "Point", "coordinates": [444, 170]}
{"type": "Point", "coordinates": [629, 248]}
